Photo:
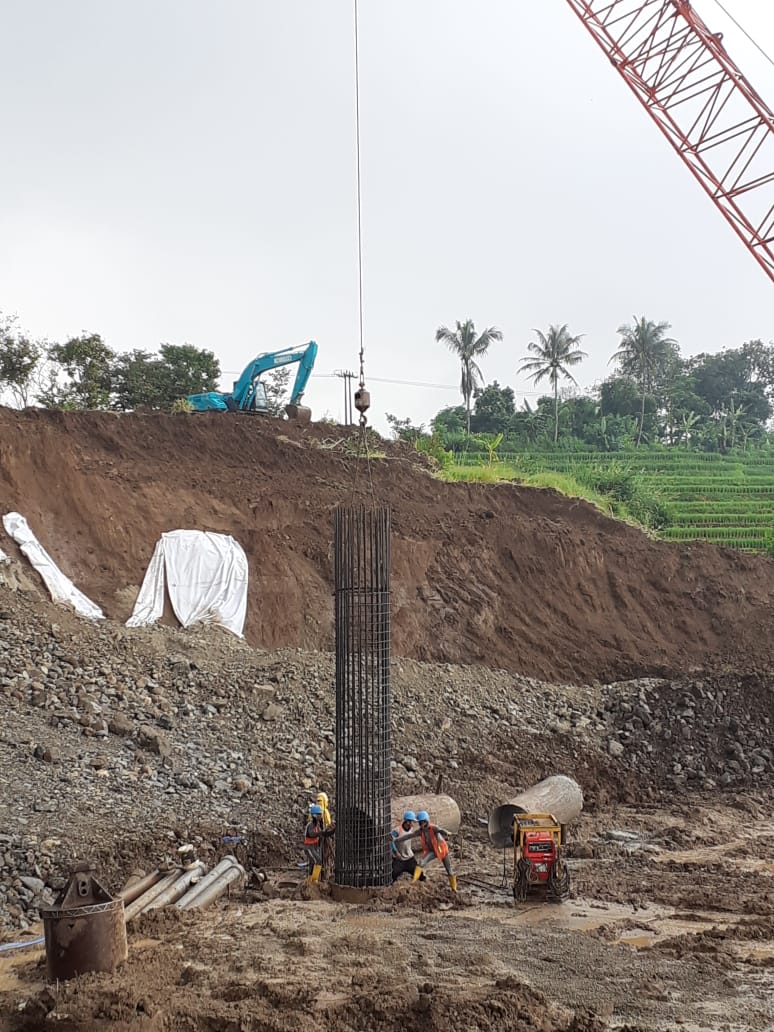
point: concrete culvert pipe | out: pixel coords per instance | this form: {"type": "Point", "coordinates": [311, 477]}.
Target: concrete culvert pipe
{"type": "Point", "coordinates": [223, 867]}
{"type": "Point", "coordinates": [138, 884]}
{"type": "Point", "coordinates": [557, 795]}
{"type": "Point", "coordinates": [443, 810]}
{"type": "Point", "coordinates": [141, 902]}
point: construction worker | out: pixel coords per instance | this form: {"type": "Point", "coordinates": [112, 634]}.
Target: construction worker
{"type": "Point", "coordinates": [327, 852]}
{"type": "Point", "coordinates": [314, 836]}
{"type": "Point", "coordinates": [322, 801]}
{"type": "Point", "coordinates": [434, 847]}
{"type": "Point", "coordinates": [403, 859]}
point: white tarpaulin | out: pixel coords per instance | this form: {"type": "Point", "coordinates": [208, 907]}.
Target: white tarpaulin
{"type": "Point", "coordinates": [206, 579]}
{"type": "Point", "coordinates": [60, 588]}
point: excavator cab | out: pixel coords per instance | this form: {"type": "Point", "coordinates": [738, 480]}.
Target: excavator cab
{"type": "Point", "coordinates": [538, 864]}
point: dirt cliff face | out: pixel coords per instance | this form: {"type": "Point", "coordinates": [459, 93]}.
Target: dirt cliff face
{"type": "Point", "coordinates": [497, 575]}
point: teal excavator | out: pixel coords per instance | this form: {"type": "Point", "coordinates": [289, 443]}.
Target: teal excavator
{"type": "Point", "coordinates": [249, 393]}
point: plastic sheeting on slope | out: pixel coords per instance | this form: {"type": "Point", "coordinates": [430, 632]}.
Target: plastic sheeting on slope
{"type": "Point", "coordinates": [206, 578]}
{"type": "Point", "coordinates": [60, 588]}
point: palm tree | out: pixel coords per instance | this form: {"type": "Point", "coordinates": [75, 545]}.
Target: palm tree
{"type": "Point", "coordinates": [643, 350]}
{"type": "Point", "coordinates": [554, 351]}
{"type": "Point", "coordinates": [467, 347]}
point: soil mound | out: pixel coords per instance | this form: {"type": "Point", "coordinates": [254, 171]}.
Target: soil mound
{"type": "Point", "coordinates": [501, 576]}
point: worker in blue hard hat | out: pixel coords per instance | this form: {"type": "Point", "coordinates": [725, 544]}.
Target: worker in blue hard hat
{"type": "Point", "coordinates": [314, 835]}
{"type": "Point", "coordinates": [403, 859]}
{"type": "Point", "coordinates": [433, 847]}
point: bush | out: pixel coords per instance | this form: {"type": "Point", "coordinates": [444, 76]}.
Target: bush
{"type": "Point", "coordinates": [181, 405]}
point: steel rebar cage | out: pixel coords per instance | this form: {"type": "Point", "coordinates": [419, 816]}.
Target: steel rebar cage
{"type": "Point", "coordinates": [363, 742]}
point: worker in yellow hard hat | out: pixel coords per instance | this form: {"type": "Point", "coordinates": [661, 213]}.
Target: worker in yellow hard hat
{"type": "Point", "coordinates": [326, 822]}
{"type": "Point", "coordinates": [322, 802]}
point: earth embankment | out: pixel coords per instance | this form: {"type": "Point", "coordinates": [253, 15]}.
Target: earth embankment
{"type": "Point", "coordinates": [502, 576]}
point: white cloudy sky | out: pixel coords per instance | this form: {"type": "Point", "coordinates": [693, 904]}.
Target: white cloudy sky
{"type": "Point", "coordinates": [183, 170]}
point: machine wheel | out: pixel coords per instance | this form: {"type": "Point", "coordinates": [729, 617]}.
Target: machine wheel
{"type": "Point", "coordinates": [558, 882]}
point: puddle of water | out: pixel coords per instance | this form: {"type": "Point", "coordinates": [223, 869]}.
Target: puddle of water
{"type": "Point", "coordinates": [583, 915]}
{"type": "Point", "coordinates": [638, 938]}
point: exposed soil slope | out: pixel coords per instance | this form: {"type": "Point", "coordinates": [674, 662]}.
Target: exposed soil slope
{"type": "Point", "coordinates": [516, 578]}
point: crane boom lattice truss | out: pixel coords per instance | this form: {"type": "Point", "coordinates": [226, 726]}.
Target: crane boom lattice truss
{"type": "Point", "coordinates": [709, 112]}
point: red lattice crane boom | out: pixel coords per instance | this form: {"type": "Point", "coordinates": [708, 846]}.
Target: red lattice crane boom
{"type": "Point", "coordinates": [701, 101]}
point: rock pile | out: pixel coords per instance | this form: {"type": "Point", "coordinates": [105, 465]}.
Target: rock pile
{"type": "Point", "coordinates": [117, 743]}
{"type": "Point", "coordinates": [702, 733]}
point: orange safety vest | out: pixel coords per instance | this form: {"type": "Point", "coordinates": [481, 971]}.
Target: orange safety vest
{"type": "Point", "coordinates": [312, 835]}
{"type": "Point", "coordinates": [432, 843]}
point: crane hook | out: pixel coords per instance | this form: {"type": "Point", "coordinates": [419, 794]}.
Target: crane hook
{"type": "Point", "coordinates": [362, 402]}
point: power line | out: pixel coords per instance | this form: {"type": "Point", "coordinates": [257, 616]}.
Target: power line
{"type": "Point", "coordinates": [340, 374]}
{"type": "Point", "coordinates": [743, 31]}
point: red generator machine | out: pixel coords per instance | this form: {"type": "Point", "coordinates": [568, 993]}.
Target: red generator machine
{"type": "Point", "coordinates": [538, 864]}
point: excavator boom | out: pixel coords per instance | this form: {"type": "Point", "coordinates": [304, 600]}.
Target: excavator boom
{"type": "Point", "coordinates": [719, 125]}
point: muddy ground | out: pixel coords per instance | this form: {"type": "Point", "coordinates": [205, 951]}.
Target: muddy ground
{"type": "Point", "coordinates": [670, 926]}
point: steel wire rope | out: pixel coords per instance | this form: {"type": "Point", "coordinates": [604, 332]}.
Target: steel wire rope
{"type": "Point", "coordinates": [363, 434]}
{"type": "Point", "coordinates": [744, 31]}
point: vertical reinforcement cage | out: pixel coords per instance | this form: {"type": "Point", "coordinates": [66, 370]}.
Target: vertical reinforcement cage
{"type": "Point", "coordinates": [363, 745]}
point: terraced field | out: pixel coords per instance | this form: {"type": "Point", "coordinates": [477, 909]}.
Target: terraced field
{"type": "Point", "coordinates": [728, 500]}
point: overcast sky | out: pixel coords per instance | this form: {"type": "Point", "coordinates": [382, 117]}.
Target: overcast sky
{"type": "Point", "coordinates": [183, 170]}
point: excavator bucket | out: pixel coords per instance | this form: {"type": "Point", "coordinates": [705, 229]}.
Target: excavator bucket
{"type": "Point", "coordinates": [299, 413]}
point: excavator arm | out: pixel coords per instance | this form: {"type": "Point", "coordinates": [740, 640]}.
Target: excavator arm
{"type": "Point", "coordinates": [719, 125]}
{"type": "Point", "coordinates": [249, 395]}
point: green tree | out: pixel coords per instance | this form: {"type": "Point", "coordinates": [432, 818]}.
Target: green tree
{"type": "Point", "coordinates": [139, 381]}
{"type": "Point", "coordinates": [404, 429]}
{"type": "Point", "coordinates": [88, 364]}
{"type": "Point", "coordinates": [554, 352]}
{"type": "Point", "coordinates": [188, 370]}
{"type": "Point", "coordinates": [728, 379]}
{"type": "Point", "coordinates": [143, 380]}
{"type": "Point", "coordinates": [19, 361]}
{"type": "Point", "coordinates": [464, 343]}
{"type": "Point", "coordinates": [449, 421]}
{"type": "Point", "coordinates": [493, 409]}
{"type": "Point", "coordinates": [646, 353]}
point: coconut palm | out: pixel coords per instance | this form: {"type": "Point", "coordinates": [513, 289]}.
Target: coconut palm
{"type": "Point", "coordinates": [643, 352]}
{"type": "Point", "coordinates": [554, 352]}
{"type": "Point", "coordinates": [468, 347]}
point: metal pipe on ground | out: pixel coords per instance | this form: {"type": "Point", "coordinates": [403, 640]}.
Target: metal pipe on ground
{"type": "Point", "coordinates": [215, 889]}
{"type": "Point", "coordinates": [225, 865]}
{"type": "Point", "coordinates": [138, 883]}
{"type": "Point", "coordinates": [178, 887]}
{"type": "Point", "coordinates": [139, 904]}
{"type": "Point", "coordinates": [444, 811]}
{"type": "Point", "coordinates": [558, 795]}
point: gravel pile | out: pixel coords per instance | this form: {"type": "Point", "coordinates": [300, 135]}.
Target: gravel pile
{"type": "Point", "coordinates": [118, 744]}
{"type": "Point", "coordinates": [704, 733]}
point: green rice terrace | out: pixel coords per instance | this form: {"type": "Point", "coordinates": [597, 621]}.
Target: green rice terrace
{"type": "Point", "coordinates": [724, 499]}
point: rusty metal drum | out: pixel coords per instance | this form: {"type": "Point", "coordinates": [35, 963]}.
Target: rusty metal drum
{"type": "Point", "coordinates": [85, 929]}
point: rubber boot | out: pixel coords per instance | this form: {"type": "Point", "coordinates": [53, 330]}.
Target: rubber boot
{"type": "Point", "coordinates": [316, 872]}
{"type": "Point", "coordinates": [417, 873]}
{"type": "Point", "coordinates": [453, 882]}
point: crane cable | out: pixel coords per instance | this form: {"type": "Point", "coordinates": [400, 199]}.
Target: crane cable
{"type": "Point", "coordinates": [359, 200]}
{"type": "Point", "coordinates": [362, 396]}
{"type": "Point", "coordinates": [744, 31]}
